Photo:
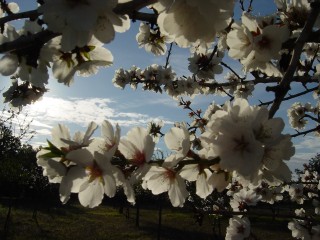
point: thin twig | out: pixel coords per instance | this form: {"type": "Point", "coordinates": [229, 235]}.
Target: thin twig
{"type": "Point", "coordinates": [292, 96]}
{"type": "Point", "coordinates": [168, 55]}
{"type": "Point", "coordinates": [312, 118]}
{"type": "Point", "coordinates": [306, 132]}
{"type": "Point", "coordinates": [234, 72]}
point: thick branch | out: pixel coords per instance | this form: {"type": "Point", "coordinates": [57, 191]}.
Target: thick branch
{"type": "Point", "coordinates": [146, 17]}
{"type": "Point", "coordinates": [29, 14]}
{"type": "Point", "coordinates": [24, 42]}
{"type": "Point", "coordinates": [131, 8]}
{"type": "Point", "coordinates": [284, 85]}
{"type": "Point", "coordinates": [128, 7]}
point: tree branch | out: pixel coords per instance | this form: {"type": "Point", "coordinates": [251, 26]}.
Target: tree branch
{"type": "Point", "coordinates": [306, 132]}
{"type": "Point", "coordinates": [29, 14]}
{"type": "Point", "coordinates": [24, 42]}
{"type": "Point", "coordinates": [284, 86]}
{"type": "Point", "coordinates": [135, 5]}
{"type": "Point", "coordinates": [293, 96]}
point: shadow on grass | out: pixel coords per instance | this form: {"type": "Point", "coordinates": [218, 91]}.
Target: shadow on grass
{"type": "Point", "coordinates": [175, 233]}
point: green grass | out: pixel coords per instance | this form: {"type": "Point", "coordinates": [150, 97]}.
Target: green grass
{"type": "Point", "coordinates": [75, 222]}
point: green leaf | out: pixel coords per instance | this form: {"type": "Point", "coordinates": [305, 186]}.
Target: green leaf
{"type": "Point", "coordinates": [86, 55]}
{"type": "Point", "coordinates": [54, 151]}
{"type": "Point", "coordinates": [49, 155]}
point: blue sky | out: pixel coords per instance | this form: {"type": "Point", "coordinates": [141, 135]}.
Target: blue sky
{"type": "Point", "coordinates": [95, 98]}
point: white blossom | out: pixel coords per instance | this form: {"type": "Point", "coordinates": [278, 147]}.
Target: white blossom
{"type": "Point", "coordinates": [165, 179]}
{"type": "Point", "coordinates": [239, 228]}
{"type": "Point", "coordinates": [97, 19]}
{"type": "Point", "coordinates": [174, 19]}
{"type": "Point", "coordinates": [91, 178]}
{"type": "Point", "coordinates": [152, 40]}
{"type": "Point", "coordinates": [256, 45]}
{"type": "Point", "coordinates": [138, 147]}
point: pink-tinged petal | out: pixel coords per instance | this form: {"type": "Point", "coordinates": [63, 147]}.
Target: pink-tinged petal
{"type": "Point", "coordinates": [97, 145]}
{"type": "Point", "coordinates": [279, 175]}
{"type": "Point", "coordinates": [122, 25]}
{"type": "Point", "coordinates": [90, 130]}
{"type": "Point", "coordinates": [72, 182]}
{"type": "Point", "coordinates": [111, 138]}
{"type": "Point", "coordinates": [119, 176]}
{"type": "Point", "coordinates": [82, 157]}
{"type": "Point", "coordinates": [173, 160]}
{"type": "Point", "coordinates": [101, 56]}
{"type": "Point", "coordinates": [129, 192]}
{"type": "Point", "coordinates": [149, 145]}
{"type": "Point", "coordinates": [157, 181]}
{"type": "Point", "coordinates": [92, 194]}
{"type": "Point", "coordinates": [138, 146]}
{"type": "Point", "coordinates": [137, 136]}
{"type": "Point", "coordinates": [178, 139]}
{"type": "Point", "coordinates": [219, 181]}
{"type": "Point", "coordinates": [127, 187]}
{"type": "Point", "coordinates": [178, 192]}
{"type": "Point", "coordinates": [109, 185]}
{"type": "Point", "coordinates": [140, 173]}
{"type": "Point", "coordinates": [104, 30]}
{"type": "Point", "coordinates": [103, 162]}
{"type": "Point", "coordinates": [127, 148]}
{"type": "Point", "coordinates": [202, 186]}
{"type": "Point", "coordinates": [14, 8]}
{"type": "Point", "coordinates": [53, 169]}
{"type": "Point", "coordinates": [190, 172]}
{"type": "Point", "coordinates": [107, 130]}
{"type": "Point", "coordinates": [60, 132]}
{"type": "Point", "coordinates": [63, 72]}
{"type": "Point", "coordinates": [76, 177]}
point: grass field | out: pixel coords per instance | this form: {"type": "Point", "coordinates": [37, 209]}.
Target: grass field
{"type": "Point", "coordinates": [73, 222]}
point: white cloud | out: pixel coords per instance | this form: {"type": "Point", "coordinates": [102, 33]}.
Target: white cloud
{"type": "Point", "coordinates": [43, 131]}
{"type": "Point", "coordinates": [76, 113]}
{"type": "Point", "coordinates": [309, 142]}
{"type": "Point", "coordinates": [51, 110]}
{"type": "Point", "coordinates": [306, 148]}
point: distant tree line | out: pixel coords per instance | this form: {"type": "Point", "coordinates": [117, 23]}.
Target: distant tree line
{"type": "Point", "coordinates": [20, 176]}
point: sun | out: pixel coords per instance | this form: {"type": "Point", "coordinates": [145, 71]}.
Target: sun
{"type": "Point", "coordinates": [47, 106]}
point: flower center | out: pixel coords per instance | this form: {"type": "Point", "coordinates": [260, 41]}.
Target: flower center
{"type": "Point", "coordinates": [241, 229]}
{"type": "Point", "coordinates": [94, 171]}
{"type": "Point", "coordinates": [264, 42]}
{"type": "Point", "coordinates": [139, 159]}
{"type": "Point", "coordinates": [170, 174]}
{"type": "Point", "coordinates": [67, 57]}
{"type": "Point", "coordinates": [241, 144]}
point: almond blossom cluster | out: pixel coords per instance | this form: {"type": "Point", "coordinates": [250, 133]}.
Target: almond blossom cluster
{"type": "Point", "coordinates": [304, 225]}
{"type": "Point", "coordinates": [256, 42]}
{"type": "Point", "coordinates": [261, 44]}
{"type": "Point", "coordinates": [253, 150]}
{"type": "Point", "coordinates": [299, 115]}
{"type": "Point", "coordinates": [84, 165]}
{"type": "Point", "coordinates": [152, 39]}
